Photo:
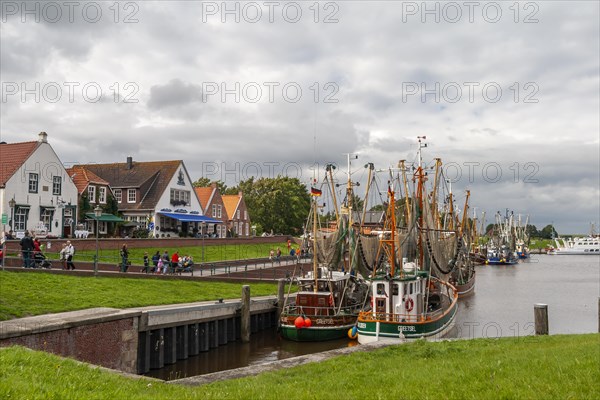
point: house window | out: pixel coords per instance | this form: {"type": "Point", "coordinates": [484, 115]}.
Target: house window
{"type": "Point", "coordinates": [92, 194]}
{"type": "Point", "coordinates": [180, 197]}
{"type": "Point", "coordinates": [102, 226]}
{"type": "Point", "coordinates": [21, 215]}
{"type": "Point", "coordinates": [33, 183]}
{"type": "Point", "coordinates": [46, 217]}
{"type": "Point", "coordinates": [56, 185]}
{"type": "Point", "coordinates": [214, 211]}
{"type": "Point", "coordinates": [247, 229]}
{"type": "Point", "coordinates": [241, 229]}
{"type": "Point", "coordinates": [102, 195]}
{"type": "Point", "coordinates": [245, 215]}
{"type": "Point", "coordinates": [235, 228]}
{"type": "Point", "coordinates": [118, 195]}
{"type": "Point", "coordinates": [219, 211]}
{"type": "Point", "coordinates": [237, 214]}
{"type": "Point", "coordinates": [131, 195]}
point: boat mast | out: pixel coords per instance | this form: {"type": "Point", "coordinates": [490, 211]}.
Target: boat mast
{"type": "Point", "coordinates": [438, 163]}
{"type": "Point", "coordinates": [420, 189]}
{"type": "Point", "coordinates": [315, 210]}
{"type": "Point", "coordinates": [465, 212]}
{"type": "Point", "coordinates": [329, 169]}
{"type": "Point", "coordinates": [371, 167]}
{"type": "Point", "coordinates": [407, 214]}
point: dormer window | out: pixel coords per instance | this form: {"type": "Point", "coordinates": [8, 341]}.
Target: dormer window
{"type": "Point", "coordinates": [131, 195]}
{"type": "Point", "coordinates": [118, 195]}
{"type": "Point", "coordinates": [102, 195]}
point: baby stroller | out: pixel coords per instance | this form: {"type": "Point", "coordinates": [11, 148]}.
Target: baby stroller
{"type": "Point", "coordinates": [41, 261]}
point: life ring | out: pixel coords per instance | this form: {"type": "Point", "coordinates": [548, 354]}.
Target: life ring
{"type": "Point", "coordinates": [409, 304]}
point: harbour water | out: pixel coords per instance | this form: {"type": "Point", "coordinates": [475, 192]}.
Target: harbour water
{"type": "Point", "coordinates": [502, 305]}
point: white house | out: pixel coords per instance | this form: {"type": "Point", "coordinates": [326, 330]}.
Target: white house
{"type": "Point", "coordinates": [36, 193]}
{"type": "Point", "coordinates": [154, 195]}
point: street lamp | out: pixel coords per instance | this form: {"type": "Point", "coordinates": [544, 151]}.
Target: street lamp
{"type": "Point", "coordinates": [202, 224]}
{"type": "Point", "coordinates": [97, 215]}
{"type": "Point", "coordinates": [12, 203]}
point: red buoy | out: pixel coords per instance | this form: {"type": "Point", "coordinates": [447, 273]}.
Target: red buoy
{"type": "Point", "coordinates": [307, 322]}
{"type": "Point", "coordinates": [299, 322]}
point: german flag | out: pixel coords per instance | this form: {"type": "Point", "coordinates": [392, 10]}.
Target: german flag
{"type": "Point", "coordinates": [315, 192]}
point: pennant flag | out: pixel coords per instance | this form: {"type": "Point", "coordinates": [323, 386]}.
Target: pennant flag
{"type": "Point", "coordinates": [315, 192]}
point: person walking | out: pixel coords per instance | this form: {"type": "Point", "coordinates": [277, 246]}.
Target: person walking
{"type": "Point", "coordinates": [278, 255]}
{"type": "Point", "coordinates": [26, 249]}
{"type": "Point", "coordinates": [124, 258]}
{"type": "Point", "coordinates": [155, 259]}
{"type": "Point", "coordinates": [63, 256]}
{"type": "Point", "coordinates": [146, 268]}
{"type": "Point", "coordinates": [70, 252]}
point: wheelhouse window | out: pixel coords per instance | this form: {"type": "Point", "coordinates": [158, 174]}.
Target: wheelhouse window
{"type": "Point", "coordinates": [92, 194]}
{"type": "Point", "coordinates": [33, 183]}
{"type": "Point", "coordinates": [56, 185]}
{"type": "Point", "coordinates": [102, 195]}
{"type": "Point", "coordinates": [118, 195]}
{"type": "Point", "coordinates": [131, 195]}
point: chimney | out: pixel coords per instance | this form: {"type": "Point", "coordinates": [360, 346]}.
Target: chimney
{"type": "Point", "coordinates": [43, 137]}
{"type": "Point", "coordinates": [129, 162]}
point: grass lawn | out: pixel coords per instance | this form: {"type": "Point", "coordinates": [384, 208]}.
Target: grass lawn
{"type": "Point", "coordinates": [26, 294]}
{"type": "Point", "coordinates": [211, 253]}
{"type": "Point", "coordinates": [549, 367]}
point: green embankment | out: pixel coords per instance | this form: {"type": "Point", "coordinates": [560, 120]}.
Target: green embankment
{"type": "Point", "coordinates": [25, 294]}
{"type": "Point", "coordinates": [549, 367]}
{"type": "Point", "coordinates": [212, 253]}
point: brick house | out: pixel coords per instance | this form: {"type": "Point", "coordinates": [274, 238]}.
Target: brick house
{"type": "Point", "coordinates": [214, 207]}
{"type": "Point", "coordinates": [36, 193]}
{"type": "Point", "coordinates": [93, 191]}
{"type": "Point", "coordinates": [157, 196]}
{"type": "Point", "coordinates": [239, 219]}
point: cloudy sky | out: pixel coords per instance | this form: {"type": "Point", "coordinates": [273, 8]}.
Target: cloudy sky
{"type": "Point", "coordinates": [506, 93]}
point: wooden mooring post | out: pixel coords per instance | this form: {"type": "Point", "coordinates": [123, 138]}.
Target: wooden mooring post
{"type": "Point", "coordinates": [280, 296]}
{"type": "Point", "coordinates": [540, 313]}
{"type": "Point", "coordinates": [245, 319]}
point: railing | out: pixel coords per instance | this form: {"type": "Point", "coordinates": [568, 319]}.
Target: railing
{"type": "Point", "coordinates": [399, 318]}
{"type": "Point", "coordinates": [295, 310]}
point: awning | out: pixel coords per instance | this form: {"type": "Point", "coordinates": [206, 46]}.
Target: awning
{"type": "Point", "coordinates": [191, 218]}
{"type": "Point", "coordinates": [104, 217]}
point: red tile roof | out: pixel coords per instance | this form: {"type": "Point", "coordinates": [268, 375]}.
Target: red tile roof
{"type": "Point", "coordinates": [204, 194]}
{"type": "Point", "coordinates": [231, 202]}
{"type": "Point", "coordinates": [83, 177]}
{"type": "Point", "coordinates": [12, 156]}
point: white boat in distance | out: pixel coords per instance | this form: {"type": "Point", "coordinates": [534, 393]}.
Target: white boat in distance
{"type": "Point", "coordinates": [587, 245]}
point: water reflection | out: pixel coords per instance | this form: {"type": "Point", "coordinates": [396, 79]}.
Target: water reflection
{"type": "Point", "coordinates": [502, 305]}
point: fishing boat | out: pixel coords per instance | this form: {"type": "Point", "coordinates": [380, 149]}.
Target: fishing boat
{"type": "Point", "coordinates": [330, 296]}
{"type": "Point", "coordinates": [501, 248]}
{"type": "Point", "coordinates": [407, 300]}
{"type": "Point", "coordinates": [522, 239]}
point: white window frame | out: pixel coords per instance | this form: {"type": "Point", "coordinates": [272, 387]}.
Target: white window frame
{"type": "Point", "coordinates": [33, 182]}
{"type": "Point", "coordinates": [247, 229]}
{"type": "Point", "coordinates": [56, 185]}
{"type": "Point", "coordinates": [21, 215]}
{"type": "Point", "coordinates": [102, 194]}
{"type": "Point", "coordinates": [219, 211]}
{"type": "Point", "coordinates": [246, 215]}
{"type": "Point", "coordinates": [91, 193]}
{"type": "Point", "coordinates": [214, 211]}
{"type": "Point", "coordinates": [131, 195]}
{"type": "Point", "coordinates": [118, 193]}
{"type": "Point", "coordinates": [102, 227]}
{"type": "Point", "coordinates": [46, 217]}
{"type": "Point", "coordinates": [237, 213]}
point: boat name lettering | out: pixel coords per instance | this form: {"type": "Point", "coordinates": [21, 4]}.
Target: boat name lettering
{"type": "Point", "coordinates": [325, 321]}
{"type": "Point", "coordinates": [403, 328]}
{"type": "Point", "coordinates": [362, 325]}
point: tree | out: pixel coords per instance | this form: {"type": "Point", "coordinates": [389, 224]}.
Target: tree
{"type": "Point", "coordinates": [205, 182]}
{"type": "Point", "coordinates": [532, 231]}
{"type": "Point", "coordinates": [548, 232]}
{"type": "Point", "coordinates": [278, 204]}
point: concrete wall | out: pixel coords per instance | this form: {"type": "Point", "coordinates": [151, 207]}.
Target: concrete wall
{"type": "Point", "coordinates": [100, 336]}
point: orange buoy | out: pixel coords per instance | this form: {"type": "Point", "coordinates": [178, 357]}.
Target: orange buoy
{"type": "Point", "coordinates": [299, 323]}
{"type": "Point", "coordinates": [307, 322]}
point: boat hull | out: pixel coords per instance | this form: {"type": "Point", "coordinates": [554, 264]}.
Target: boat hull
{"type": "Point", "coordinates": [373, 330]}
{"type": "Point", "coordinates": [502, 261]}
{"type": "Point", "coordinates": [466, 289]}
{"type": "Point", "coordinates": [314, 334]}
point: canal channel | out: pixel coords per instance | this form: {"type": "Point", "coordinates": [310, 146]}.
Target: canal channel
{"type": "Point", "coordinates": [502, 305]}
